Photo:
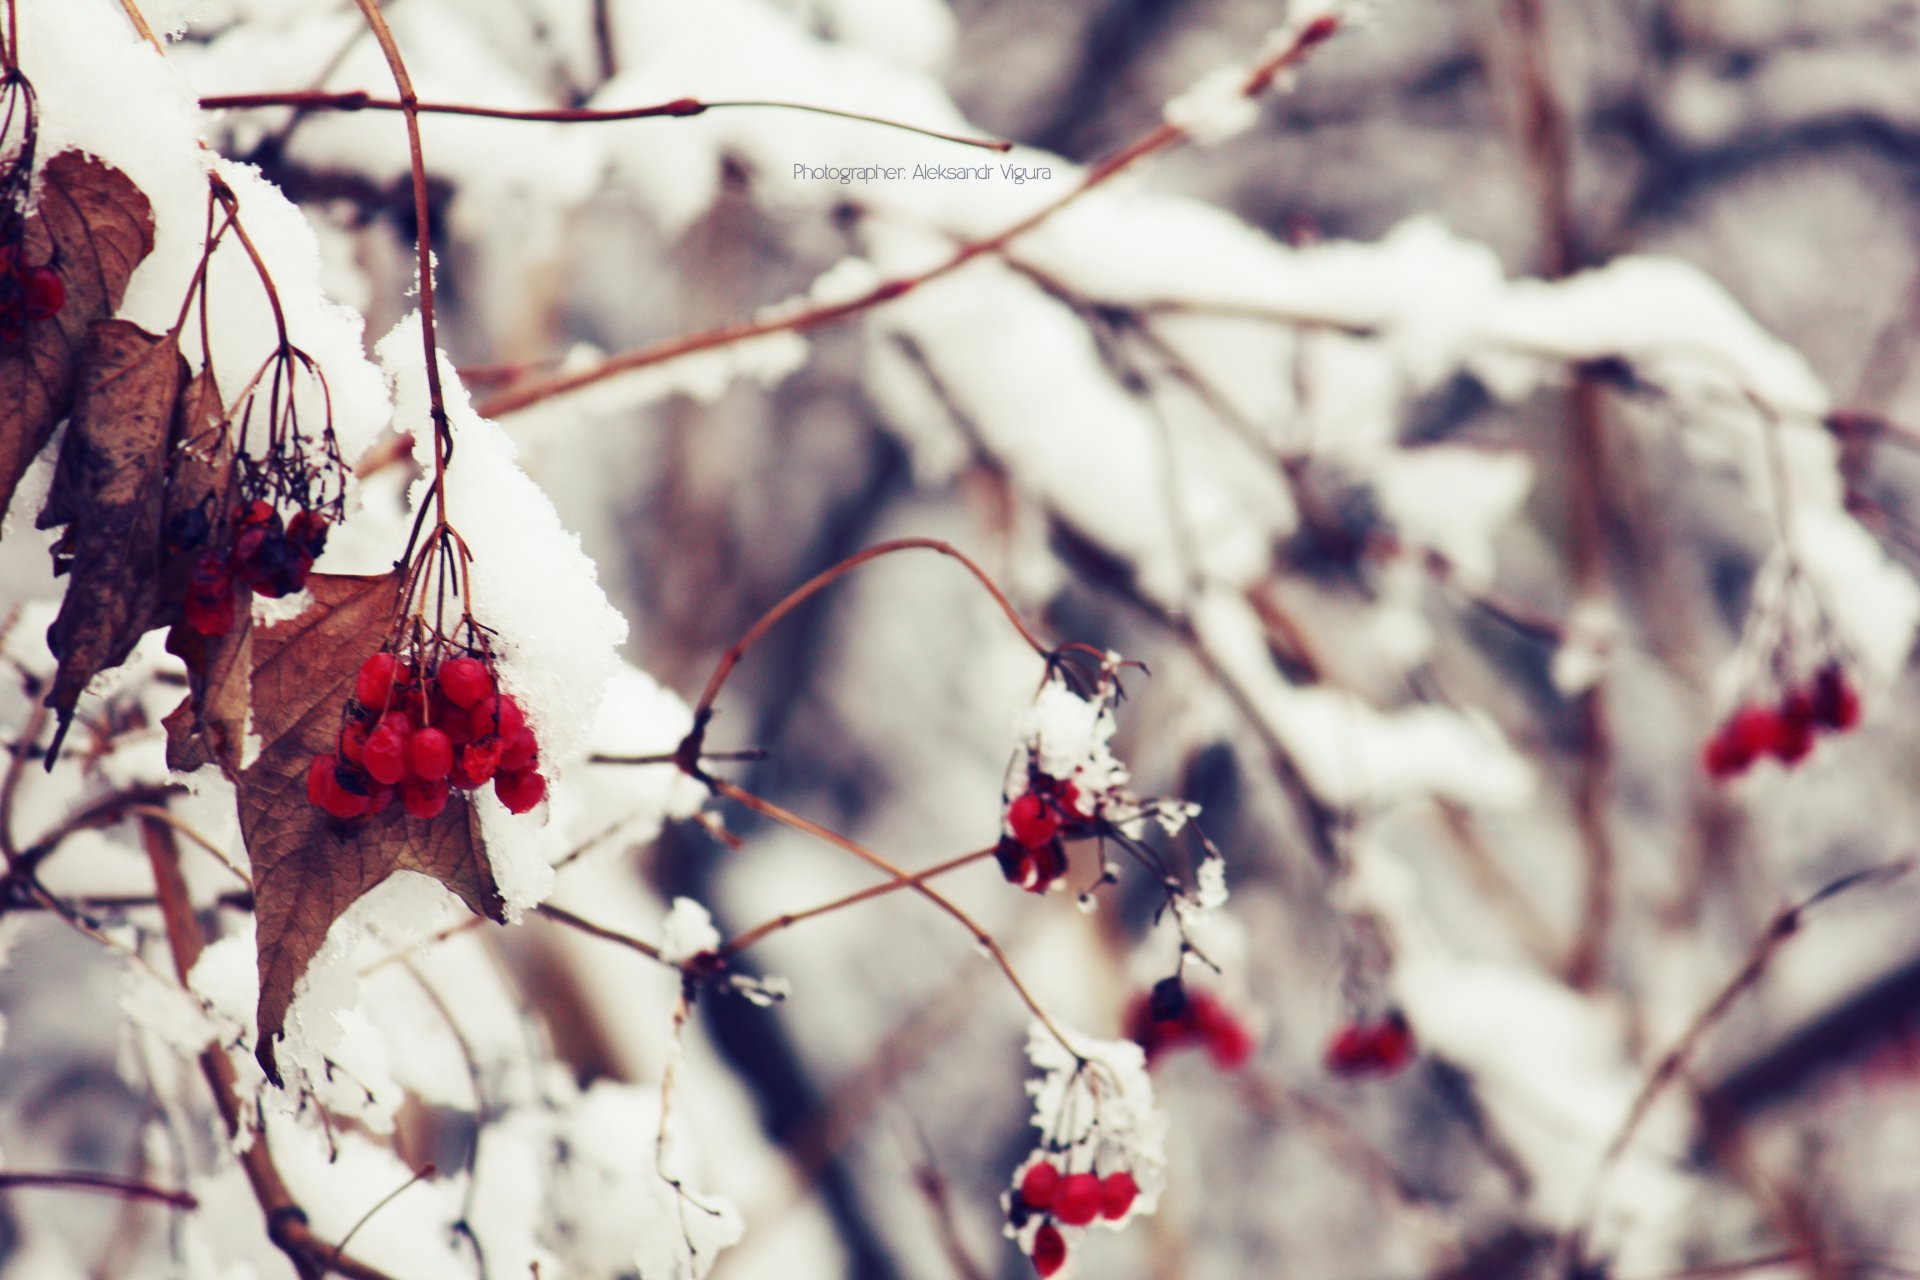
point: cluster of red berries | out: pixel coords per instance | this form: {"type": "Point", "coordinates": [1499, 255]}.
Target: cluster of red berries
{"type": "Point", "coordinates": [1072, 1199]}
{"type": "Point", "coordinates": [1032, 853]}
{"type": "Point", "coordinates": [266, 556]}
{"type": "Point", "coordinates": [415, 734]}
{"type": "Point", "coordinates": [1378, 1048]}
{"type": "Point", "coordinates": [28, 294]}
{"type": "Point", "coordinates": [1786, 730]}
{"type": "Point", "coordinates": [1171, 1017]}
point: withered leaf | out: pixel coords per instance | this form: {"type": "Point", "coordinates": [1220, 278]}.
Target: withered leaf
{"type": "Point", "coordinates": [96, 226]}
{"type": "Point", "coordinates": [210, 724]}
{"type": "Point", "coordinates": [108, 488]}
{"type": "Point", "coordinates": [308, 868]}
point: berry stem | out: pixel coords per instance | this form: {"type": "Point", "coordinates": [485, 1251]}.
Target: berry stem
{"type": "Point", "coordinates": [679, 108]}
{"type": "Point", "coordinates": [768, 809]}
{"type": "Point", "coordinates": [736, 945]}
{"type": "Point", "coordinates": [409, 105]}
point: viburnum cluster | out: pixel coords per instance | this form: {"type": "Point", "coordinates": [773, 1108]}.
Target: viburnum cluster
{"type": "Point", "coordinates": [1786, 727]}
{"type": "Point", "coordinates": [1173, 1016]}
{"type": "Point", "coordinates": [1070, 1199]}
{"type": "Point", "coordinates": [1100, 1160]}
{"type": "Point", "coordinates": [266, 556]}
{"type": "Point", "coordinates": [417, 729]}
{"type": "Point", "coordinates": [1371, 1047]}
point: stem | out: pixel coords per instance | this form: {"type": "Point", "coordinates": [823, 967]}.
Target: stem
{"type": "Point", "coordinates": [128, 1188]}
{"type": "Point", "coordinates": [1161, 138]}
{"type": "Point", "coordinates": [409, 104]}
{"type": "Point", "coordinates": [768, 809]}
{"type": "Point", "coordinates": [559, 915]}
{"type": "Point", "coordinates": [826, 578]}
{"type": "Point", "coordinates": [777, 923]}
{"type": "Point", "coordinates": [678, 109]}
{"type": "Point", "coordinates": [286, 1221]}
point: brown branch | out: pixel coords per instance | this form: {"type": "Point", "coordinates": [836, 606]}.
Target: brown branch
{"type": "Point", "coordinates": [786, 817]}
{"type": "Point", "coordinates": [1162, 137]}
{"type": "Point", "coordinates": [286, 1221]}
{"type": "Point", "coordinates": [1785, 925]}
{"type": "Point", "coordinates": [127, 1188]}
{"type": "Point", "coordinates": [678, 109]}
{"type": "Point", "coordinates": [559, 915]}
{"type": "Point", "coordinates": [735, 945]}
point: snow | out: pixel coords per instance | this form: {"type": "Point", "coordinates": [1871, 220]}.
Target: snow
{"type": "Point", "coordinates": [687, 933]}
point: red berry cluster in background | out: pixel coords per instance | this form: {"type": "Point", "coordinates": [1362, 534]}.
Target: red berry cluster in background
{"type": "Point", "coordinates": [1378, 1048]}
{"type": "Point", "coordinates": [1070, 1199]}
{"type": "Point", "coordinates": [1032, 853]}
{"type": "Point", "coordinates": [28, 294]}
{"type": "Point", "coordinates": [416, 733]}
{"type": "Point", "coordinates": [1786, 729]}
{"type": "Point", "coordinates": [265, 556]}
{"type": "Point", "coordinates": [1171, 1017]}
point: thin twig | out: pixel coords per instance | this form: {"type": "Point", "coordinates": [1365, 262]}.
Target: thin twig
{"type": "Point", "coordinates": [128, 1188]}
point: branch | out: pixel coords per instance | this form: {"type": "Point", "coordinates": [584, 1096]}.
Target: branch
{"type": "Point", "coordinates": [1163, 137]}
{"type": "Point", "coordinates": [678, 109]}
{"type": "Point", "coordinates": [127, 1188]}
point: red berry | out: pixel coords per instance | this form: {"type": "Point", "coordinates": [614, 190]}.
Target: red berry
{"type": "Point", "coordinates": [1032, 823]}
{"type": "Point", "coordinates": [1117, 1191]}
{"type": "Point", "coordinates": [478, 763]}
{"type": "Point", "coordinates": [1077, 1202]}
{"type": "Point", "coordinates": [1836, 704]}
{"type": "Point", "coordinates": [320, 780]}
{"type": "Point", "coordinates": [497, 714]}
{"type": "Point", "coordinates": [385, 755]}
{"type": "Point", "coordinates": [429, 755]}
{"type": "Point", "coordinates": [1038, 1185]}
{"type": "Point", "coordinates": [373, 687]}
{"type": "Point", "coordinates": [258, 513]}
{"type": "Point", "coordinates": [465, 681]}
{"type": "Point", "coordinates": [422, 798]}
{"type": "Point", "coordinates": [1393, 1043]}
{"type": "Point", "coordinates": [1793, 737]}
{"type": "Point", "coordinates": [1227, 1038]}
{"type": "Point", "coordinates": [308, 531]}
{"type": "Point", "coordinates": [1361, 1049]}
{"type": "Point", "coordinates": [44, 293]}
{"type": "Point", "coordinates": [1351, 1052]}
{"type": "Point", "coordinates": [1049, 1250]}
{"type": "Point", "coordinates": [324, 790]}
{"type": "Point", "coordinates": [210, 614]}
{"type": "Point", "coordinates": [518, 750]}
{"type": "Point", "coordinates": [520, 791]}
{"type": "Point", "coordinates": [353, 742]}
{"type": "Point", "coordinates": [1070, 802]}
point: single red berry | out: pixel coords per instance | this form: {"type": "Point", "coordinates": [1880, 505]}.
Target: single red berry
{"type": "Point", "coordinates": [1071, 801]}
{"type": "Point", "coordinates": [520, 791]}
{"type": "Point", "coordinates": [373, 687]}
{"type": "Point", "coordinates": [1032, 823]}
{"type": "Point", "coordinates": [385, 755]}
{"type": "Point", "coordinates": [1793, 740]}
{"type": "Point", "coordinates": [324, 790]}
{"type": "Point", "coordinates": [499, 714]}
{"type": "Point", "coordinates": [479, 761]}
{"type": "Point", "coordinates": [429, 755]}
{"type": "Point", "coordinates": [518, 750]}
{"type": "Point", "coordinates": [1227, 1038]}
{"type": "Point", "coordinates": [1748, 734]}
{"type": "Point", "coordinates": [1049, 1250]}
{"type": "Point", "coordinates": [1836, 704]}
{"type": "Point", "coordinates": [353, 741]}
{"type": "Point", "coordinates": [1351, 1052]}
{"type": "Point", "coordinates": [423, 798]}
{"type": "Point", "coordinates": [1117, 1191]}
{"type": "Point", "coordinates": [465, 681]}
{"type": "Point", "coordinates": [379, 797]}
{"type": "Point", "coordinates": [1393, 1043]}
{"type": "Point", "coordinates": [43, 293]}
{"type": "Point", "coordinates": [211, 613]}
{"type": "Point", "coordinates": [1722, 757]}
{"type": "Point", "coordinates": [308, 531]}
{"type": "Point", "coordinates": [259, 512]}
{"type": "Point", "coordinates": [320, 780]}
{"type": "Point", "coordinates": [1077, 1202]}
{"type": "Point", "coordinates": [1039, 1183]}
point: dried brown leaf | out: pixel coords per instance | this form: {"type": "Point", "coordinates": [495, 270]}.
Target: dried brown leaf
{"type": "Point", "coordinates": [309, 868]}
{"type": "Point", "coordinates": [109, 487]}
{"type": "Point", "coordinates": [210, 724]}
{"type": "Point", "coordinates": [97, 226]}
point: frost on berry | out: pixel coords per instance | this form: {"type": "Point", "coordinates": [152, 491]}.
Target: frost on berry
{"type": "Point", "coordinates": [1101, 1155]}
